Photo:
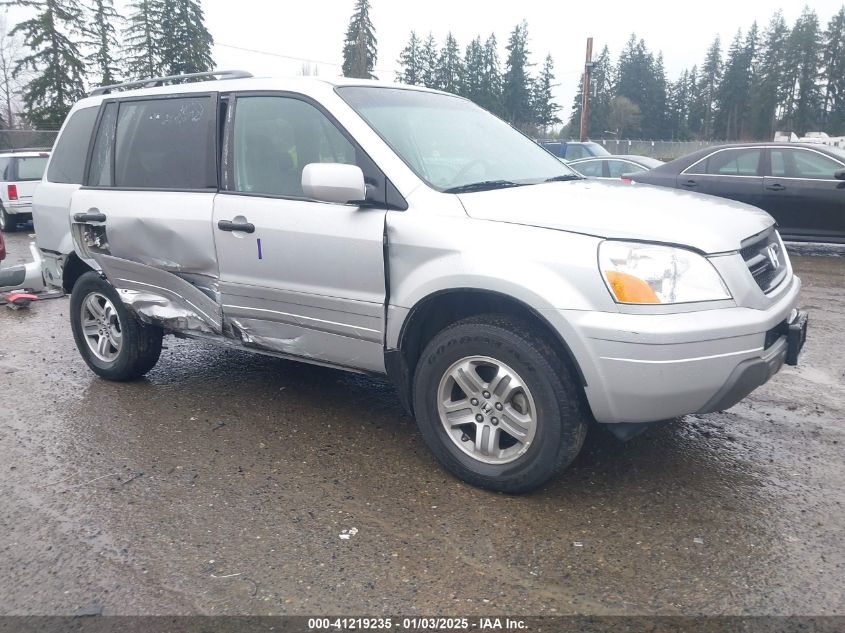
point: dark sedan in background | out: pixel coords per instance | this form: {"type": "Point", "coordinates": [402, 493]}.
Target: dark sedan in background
{"type": "Point", "coordinates": [613, 166]}
{"type": "Point", "coordinates": [802, 186]}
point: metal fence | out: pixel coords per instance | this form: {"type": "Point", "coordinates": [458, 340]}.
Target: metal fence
{"type": "Point", "coordinates": [16, 139]}
{"type": "Point", "coordinates": [662, 150]}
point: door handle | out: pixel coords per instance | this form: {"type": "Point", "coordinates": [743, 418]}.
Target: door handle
{"type": "Point", "coordinates": [689, 183]}
{"type": "Point", "coordinates": [91, 216]}
{"type": "Point", "coordinates": [228, 225]}
{"type": "Point", "coordinates": [775, 187]}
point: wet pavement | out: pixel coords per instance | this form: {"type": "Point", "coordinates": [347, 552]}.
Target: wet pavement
{"type": "Point", "coordinates": [226, 482]}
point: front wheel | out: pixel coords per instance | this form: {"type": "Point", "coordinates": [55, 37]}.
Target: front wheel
{"type": "Point", "coordinates": [496, 405]}
{"type": "Point", "coordinates": [114, 343]}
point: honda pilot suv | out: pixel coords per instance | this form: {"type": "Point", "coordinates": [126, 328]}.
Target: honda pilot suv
{"type": "Point", "coordinates": [393, 230]}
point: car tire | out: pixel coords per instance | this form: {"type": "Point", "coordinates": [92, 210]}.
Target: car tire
{"type": "Point", "coordinates": [8, 222]}
{"type": "Point", "coordinates": [540, 413]}
{"type": "Point", "coordinates": [113, 341]}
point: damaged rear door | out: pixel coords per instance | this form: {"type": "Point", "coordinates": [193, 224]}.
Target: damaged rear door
{"type": "Point", "coordinates": [145, 214]}
{"type": "Point", "coordinates": [297, 276]}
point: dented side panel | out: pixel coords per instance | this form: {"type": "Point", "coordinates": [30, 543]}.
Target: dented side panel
{"type": "Point", "coordinates": [161, 297]}
{"type": "Point", "coordinates": [157, 248]}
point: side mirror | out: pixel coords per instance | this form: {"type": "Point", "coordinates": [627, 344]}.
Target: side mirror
{"type": "Point", "coordinates": [839, 174]}
{"type": "Point", "coordinates": [333, 182]}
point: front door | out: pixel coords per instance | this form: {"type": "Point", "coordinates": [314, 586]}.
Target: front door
{"type": "Point", "coordinates": [297, 277]}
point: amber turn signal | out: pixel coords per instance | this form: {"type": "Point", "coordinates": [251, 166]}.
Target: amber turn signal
{"type": "Point", "coordinates": [629, 289]}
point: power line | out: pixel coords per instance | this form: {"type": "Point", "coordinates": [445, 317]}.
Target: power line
{"type": "Point", "coordinates": [293, 57]}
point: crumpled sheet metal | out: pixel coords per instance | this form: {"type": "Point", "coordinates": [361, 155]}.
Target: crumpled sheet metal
{"type": "Point", "coordinates": [153, 308]}
{"type": "Point", "coordinates": [162, 297]}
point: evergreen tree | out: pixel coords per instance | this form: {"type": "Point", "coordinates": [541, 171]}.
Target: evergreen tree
{"type": "Point", "coordinates": [142, 40]}
{"type": "Point", "coordinates": [834, 74]}
{"type": "Point", "coordinates": [654, 108]}
{"type": "Point", "coordinates": [768, 90]}
{"type": "Point", "coordinates": [428, 62]}
{"type": "Point", "coordinates": [711, 75]}
{"type": "Point", "coordinates": [102, 37]}
{"type": "Point", "coordinates": [642, 80]}
{"type": "Point", "coordinates": [678, 106]}
{"type": "Point", "coordinates": [695, 107]}
{"type": "Point", "coordinates": [491, 85]}
{"type": "Point", "coordinates": [55, 61]}
{"type": "Point", "coordinates": [359, 47]}
{"type": "Point", "coordinates": [516, 89]}
{"type": "Point", "coordinates": [543, 105]}
{"type": "Point", "coordinates": [473, 81]}
{"type": "Point", "coordinates": [185, 41]}
{"type": "Point", "coordinates": [410, 62]}
{"type": "Point", "coordinates": [733, 91]}
{"type": "Point", "coordinates": [449, 71]}
{"type": "Point", "coordinates": [804, 99]}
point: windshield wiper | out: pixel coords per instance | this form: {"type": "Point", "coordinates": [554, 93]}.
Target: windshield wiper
{"type": "Point", "coordinates": [564, 177]}
{"type": "Point", "coordinates": [484, 185]}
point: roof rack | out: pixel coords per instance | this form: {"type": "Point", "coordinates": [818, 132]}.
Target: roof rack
{"type": "Point", "coordinates": [172, 79]}
{"type": "Point", "coordinates": [16, 150]}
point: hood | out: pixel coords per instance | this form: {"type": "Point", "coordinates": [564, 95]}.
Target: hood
{"type": "Point", "coordinates": [624, 211]}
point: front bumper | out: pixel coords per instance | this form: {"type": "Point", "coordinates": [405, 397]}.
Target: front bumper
{"type": "Point", "coordinates": [648, 367]}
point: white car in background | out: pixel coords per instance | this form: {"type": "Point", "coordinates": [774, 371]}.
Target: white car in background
{"type": "Point", "coordinates": [20, 172]}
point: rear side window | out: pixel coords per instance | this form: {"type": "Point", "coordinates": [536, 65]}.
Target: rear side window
{"type": "Point", "coordinates": [68, 162]}
{"type": "Point", "coordinates": [102, 158]}
{"type": "Point", "coordinates": [166, 144]}
{"type": "Point", "coordinates": [4, 168]}
{"type": "Point", "coordinates": [31, 167]}
{"type": "Point", "coordinates": [799, 163]}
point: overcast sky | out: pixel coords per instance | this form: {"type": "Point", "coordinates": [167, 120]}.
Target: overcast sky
{"type": "Point", "coordinates": [315, 29]}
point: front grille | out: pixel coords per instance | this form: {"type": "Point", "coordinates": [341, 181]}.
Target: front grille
{"type": "Point", "coordinates": [766, 259]}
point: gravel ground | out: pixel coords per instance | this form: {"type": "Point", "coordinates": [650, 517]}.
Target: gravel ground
{"type": "Point", "coordinates": [224, 482]}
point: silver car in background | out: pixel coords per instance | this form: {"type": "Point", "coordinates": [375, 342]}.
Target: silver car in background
{"type": "Point", "coordinates": [613, 167]}
{"type": "Point", "coordinates": [399, 231]}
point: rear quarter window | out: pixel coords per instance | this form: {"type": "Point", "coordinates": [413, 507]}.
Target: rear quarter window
{"type": "Point", "coordinates": [68, 162]}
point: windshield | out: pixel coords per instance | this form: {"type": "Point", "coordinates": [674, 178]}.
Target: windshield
{"type": "Point", "coordinates": [31, 167]}
{"type": "Point", "coordinates": [450, 142]}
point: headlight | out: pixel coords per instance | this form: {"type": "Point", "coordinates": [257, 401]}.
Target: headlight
{"type": "Point", "coordinates": [651, 273]}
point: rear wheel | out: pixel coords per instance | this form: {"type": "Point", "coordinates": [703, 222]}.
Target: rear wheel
{"type": "Point", "coordinates": [114, 343]}
{"type": "Point", "coordinates": [497, 406]}
{"type": "Point", "coordinates": [8, 221]}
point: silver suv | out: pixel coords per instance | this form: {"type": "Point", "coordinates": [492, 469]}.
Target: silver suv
{"type": "Point", "coordinates": [398, 231]}
{"type": "Point", "coordinates": [20, 171]}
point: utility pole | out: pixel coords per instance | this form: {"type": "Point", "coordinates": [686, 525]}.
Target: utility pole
{"type": "Point", "coordinates": [585, 91]}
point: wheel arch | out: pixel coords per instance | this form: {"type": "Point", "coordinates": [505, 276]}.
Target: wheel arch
{"type": "Point", "coordinates": [440, 309]}
{"type": "Point", "coordinates": [72, 270]}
